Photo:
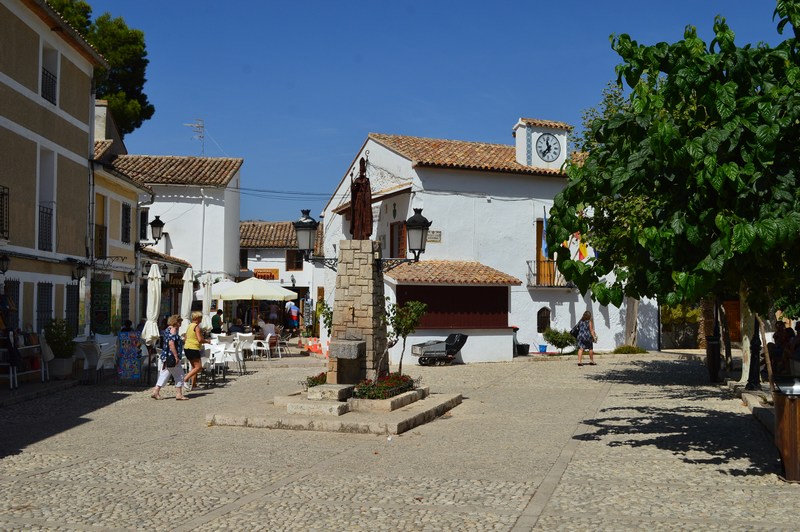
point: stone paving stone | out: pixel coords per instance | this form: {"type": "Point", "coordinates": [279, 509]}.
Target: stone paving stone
{"type": "Point", "coordinates": [634, 443]}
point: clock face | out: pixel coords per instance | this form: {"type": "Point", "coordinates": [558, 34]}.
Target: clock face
{"type": "Point", "coordinates": [548, 147]}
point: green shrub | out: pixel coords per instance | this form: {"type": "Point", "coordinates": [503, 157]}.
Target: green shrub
{"type": "Point", "coordinates": [385, 387]}
{"type": "Point", "coordinates": [629, 350]}
{"type": "Point", "coordinates": [59, 338]}
{"type": "Point", "coordinates": [559, 339]}
{"type": "Point", "coordinates": [316, 380]}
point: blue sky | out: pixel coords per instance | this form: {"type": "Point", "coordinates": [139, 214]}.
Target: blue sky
{"type": "Point", "coordinates": [295, 87]}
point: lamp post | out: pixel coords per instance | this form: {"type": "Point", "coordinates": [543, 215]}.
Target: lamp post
{"type": "Point", "coordinates": [416, 228]}
{"type": "Point", "coordinates": [4, 263]}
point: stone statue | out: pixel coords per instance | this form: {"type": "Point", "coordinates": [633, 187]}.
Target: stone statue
{"type": "Point", "coordinates": [361, 205]}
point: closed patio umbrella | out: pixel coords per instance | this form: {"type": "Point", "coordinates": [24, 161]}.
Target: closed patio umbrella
{"type": "Point", "coordinates": [205, 324]}
{"type": "Point", "coordinates": [150, 332]}
{"type": "Point", "coordinates": [187, 296]}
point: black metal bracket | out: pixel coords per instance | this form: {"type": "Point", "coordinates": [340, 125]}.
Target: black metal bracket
{"type": "Point", "coordinates": [328, 263]}
{"type": "Point", "coordinates": [388, 264]}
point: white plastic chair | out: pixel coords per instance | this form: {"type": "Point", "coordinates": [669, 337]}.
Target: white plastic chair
{"type": "Point", "coordinates": [47, 356]}
{"type": "Point", "coordinates": [231, 352]}
{"type": "Point", "coordinates": [261, 348]}
{"type": "Point", "coordinates": [283, 342]}
{"type": "Point", "coordinates": [247, 342]}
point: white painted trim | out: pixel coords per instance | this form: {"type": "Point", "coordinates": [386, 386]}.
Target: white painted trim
{"type": "Point", "coordinates": [37, 98]}
{"type": "Point", "coordinates": [44, 142]}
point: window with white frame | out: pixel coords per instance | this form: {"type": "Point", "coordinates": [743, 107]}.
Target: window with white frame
{"type": "Point", "coordinates": [49, 85]}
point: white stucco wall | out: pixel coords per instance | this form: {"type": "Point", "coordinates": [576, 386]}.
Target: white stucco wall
{"type": "Point", "coordinates": [201, 226]}
{"type": "Point", "coordinates": [274, 258]}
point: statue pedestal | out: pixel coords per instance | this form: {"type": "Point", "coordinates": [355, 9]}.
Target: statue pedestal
{"type": "Point", "coordinates": [346, 363]}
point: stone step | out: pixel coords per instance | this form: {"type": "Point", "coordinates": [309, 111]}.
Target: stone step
{"type": "Point", "coordinates": [396, 422]}
{"type": "Point", "coordinates": [388, 405]}
{"type": "Point", "coordinates": [317, 408]}
{"type": "Point", "coordinates": [331, 392]}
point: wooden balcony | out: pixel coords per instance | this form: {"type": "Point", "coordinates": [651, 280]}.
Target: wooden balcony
{"type": "Point", "coordinates": [542, 273]}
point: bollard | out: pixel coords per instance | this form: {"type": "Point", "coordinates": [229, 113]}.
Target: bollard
{"type": "Point", "coordinates": [712, 357]}
{"type": "Point", "coordinates": [787, 425]}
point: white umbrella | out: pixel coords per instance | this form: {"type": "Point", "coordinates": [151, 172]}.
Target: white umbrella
{"type": "Point", "coordinates": [216, 289]}
{"type": "Point", "coordinates": [257, 289]}
{"type": "Point", "coordinates": [205, 324]}
{"type": "Point", "coordinates": [186, 299]}
{"type": "Point", "coordinates": [150, 332]}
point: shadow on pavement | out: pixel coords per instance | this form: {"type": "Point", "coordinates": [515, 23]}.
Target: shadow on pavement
{"type": "Point", "coordinates": [700, 434]}
{"type": "Point", "coordinates": [35, 420]}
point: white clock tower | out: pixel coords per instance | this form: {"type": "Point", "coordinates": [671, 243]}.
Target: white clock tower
{"type": "Point", "coordinates": [541, 143]}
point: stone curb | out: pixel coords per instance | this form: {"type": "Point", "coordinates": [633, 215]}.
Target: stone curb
{"type": "Point", "coordinates": [396, 422]}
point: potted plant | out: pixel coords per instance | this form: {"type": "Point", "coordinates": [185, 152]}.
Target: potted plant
{"type": "Point", "coordinates": [59, 339]}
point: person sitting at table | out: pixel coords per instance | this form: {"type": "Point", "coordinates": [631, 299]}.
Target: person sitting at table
{"type": "Point", "coordinates": [261, 323]}
{"type": "Point", "coordinates": [216, 322]}
{"type": "Point", "coordinates": [269, 328]}
{"type": "Point", "coordinates": [192, 350]}
{"type": "Point", "coordinates": [127, 326]}
{"type": "Point", "coordinates": [236, 327]}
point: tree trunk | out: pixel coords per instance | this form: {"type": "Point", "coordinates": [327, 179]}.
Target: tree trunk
{"type": "Point", "coordinates": [631, 321]}
{"type": "Point", "coordinates": [706, 324]}
{"type": "Point", "coordinates": [726, 336]}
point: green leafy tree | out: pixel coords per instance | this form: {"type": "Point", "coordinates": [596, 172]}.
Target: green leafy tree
{"type": "Point", "coordinates": [402, 321]}
{"type": "Point", "coordinates": [690, 189]}
{"type": "Point", "coordinates": [122, 84]}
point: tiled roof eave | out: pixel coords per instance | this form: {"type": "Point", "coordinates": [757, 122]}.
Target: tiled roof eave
{"type": "Point", "coordinates": [452, 283]}
{"type": "Point", "coordinates": [523, 170]}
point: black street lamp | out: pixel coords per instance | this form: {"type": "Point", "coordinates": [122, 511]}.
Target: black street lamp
{"type": "Point", "coordinates": [417, 231]}
{"type": "Point", "coordinates": [4, 263]}
{"type": "Point", "coordinates": [129, 277]}
{"type": "Point", "coordinates": [79, 273]}
{"type": "Point", "coordinates": [306, 230]}
{"type": "Point", "coordinates": [416, 228]}
{"type": "Point", "coordinates": [156, 230]}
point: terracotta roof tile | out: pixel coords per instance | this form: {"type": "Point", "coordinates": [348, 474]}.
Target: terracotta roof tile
{"type": "Point", "coordinates": [258, 234]}
{"type": "Point", "coordinates": [545, 123]}
{"type": "Point", "coordinates": [100, 148]}
{"type": "Point", "coordinates": [178, 170]}
{"type": "Point", "coordinates": [450, 272]}
{"type": "Point", "coordinates": [459, 154]}
{"type": "Point", "coordinates": [153, 254]}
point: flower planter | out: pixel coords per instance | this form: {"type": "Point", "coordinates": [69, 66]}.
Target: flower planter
{"type": "Point", "coordinates": [60, 368]}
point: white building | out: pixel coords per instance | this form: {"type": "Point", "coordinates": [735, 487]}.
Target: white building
{"type": "Point", "coordinates": [483, 271]}
{"type": "Point", "coordinates": [269, 251]}
{"type": "Point", "coordinates": [197, 198]}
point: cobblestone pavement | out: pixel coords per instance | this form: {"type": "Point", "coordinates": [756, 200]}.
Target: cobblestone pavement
{"type": "Point", "coordinates": [634, 443]}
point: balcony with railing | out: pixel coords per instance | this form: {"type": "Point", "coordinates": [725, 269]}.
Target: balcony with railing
{"type": "Point", "coordinates": [45, 228]}
{"type": "Point", "coordinates": [100, 241]}
{"type": "Point", "coordinates": [543, 273]}
{"type": "Point", "coordinates": [49, 85]}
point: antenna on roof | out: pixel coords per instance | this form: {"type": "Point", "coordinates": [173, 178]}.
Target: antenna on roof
{"type": "Point", "coordinates": [199, 128]}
